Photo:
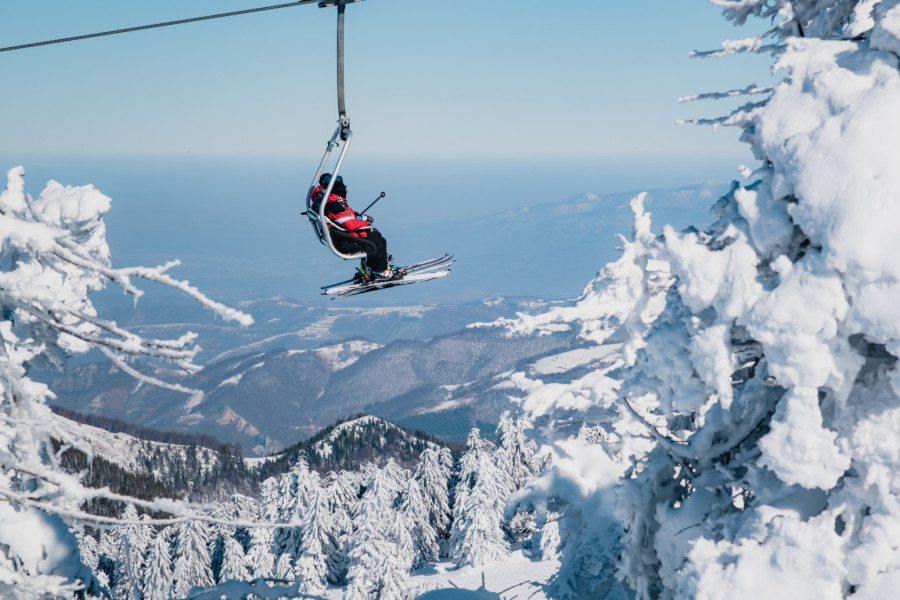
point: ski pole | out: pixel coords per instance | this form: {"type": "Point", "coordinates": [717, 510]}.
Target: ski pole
{"type": "Point", "coordinates": [366, 209]}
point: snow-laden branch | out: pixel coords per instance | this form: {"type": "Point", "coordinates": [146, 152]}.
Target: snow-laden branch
{"type": "Point", "coordinates": [739, 117]}
{"type": "Point", "coordinates": [142, 377]}
{"type": "Point", "coordinates": [53, 254]}
{"type": "Point", "coordinates": [751, 45]}
{"type": "Point", "coordinates": [747, 91]}
{"type": "Point", "coordinates": [158, 275]}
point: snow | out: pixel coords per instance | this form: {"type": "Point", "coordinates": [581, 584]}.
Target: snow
{"type": "Point", "coordinates": [341, 356]}
{"type": "Point", "coordinates": [743, 430]}
{"type": "Point", "coordinates": [119, 448]}
{"type": "Point", "coordinates": [566, 361]}
{"type": "Point", "coordinates": [516, 578]}
{"type": "Point", "coordinates": [736, 431]}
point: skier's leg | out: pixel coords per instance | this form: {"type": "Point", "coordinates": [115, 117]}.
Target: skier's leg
{"type": "Point", "coordinates": [376, 252]}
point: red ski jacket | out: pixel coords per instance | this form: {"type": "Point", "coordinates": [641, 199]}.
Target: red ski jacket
{"type": "Point", "coordinates": [338, 211]}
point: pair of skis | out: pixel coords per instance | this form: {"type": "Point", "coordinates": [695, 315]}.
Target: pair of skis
{"type": "Point", "coordinates": [414, 273]}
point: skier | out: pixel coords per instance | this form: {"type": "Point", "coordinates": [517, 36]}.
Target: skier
{"type": "Point", "coordinates": [359, 235]}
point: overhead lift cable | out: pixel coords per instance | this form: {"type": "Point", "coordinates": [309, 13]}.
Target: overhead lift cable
{"type": "Point", "coordinates": [156, 25]}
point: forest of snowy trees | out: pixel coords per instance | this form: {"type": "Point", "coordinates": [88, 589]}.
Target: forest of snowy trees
{"type": "Point", "coordinates": [365, 530]}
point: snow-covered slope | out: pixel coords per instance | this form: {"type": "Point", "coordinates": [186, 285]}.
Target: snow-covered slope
{"type": "Point", "coordinates": [127, 451]}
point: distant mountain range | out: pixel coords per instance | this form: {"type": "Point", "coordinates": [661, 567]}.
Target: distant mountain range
{"type": "Point", "coordinates": [267, 397]}
{"type": "Point", "coordinates": [305, 364]}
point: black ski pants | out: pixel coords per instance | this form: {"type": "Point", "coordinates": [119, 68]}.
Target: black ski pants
{"type": "Point", "coordinates": [374, 245]}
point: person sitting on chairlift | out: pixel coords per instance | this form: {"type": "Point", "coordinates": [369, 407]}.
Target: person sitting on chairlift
{"type": "Point", "coordinates": [358, 235]}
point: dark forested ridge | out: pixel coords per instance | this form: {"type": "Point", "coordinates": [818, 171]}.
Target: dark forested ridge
{"type": "Point", "coordinates": [213, 470]}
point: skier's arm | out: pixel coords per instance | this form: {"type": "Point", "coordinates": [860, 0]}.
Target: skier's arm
{"type": "Point", "coordinates": [345, 216]}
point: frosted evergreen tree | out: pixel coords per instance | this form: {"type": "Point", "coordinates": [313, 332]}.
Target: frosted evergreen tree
{"type": "Point", "coordinates": [90, 552]}
{"type": "Point", "coordinates": [106, 553]}
{"type": "Point", "coordinates": [260, 558]}
{"type": "Point", "coordinates": [755, 400]}
{"type": "Point", "coordinates": [157, 575]}
{"type": "Point", "coordinates": [433, 484]}
{"type": "Point", "coordinates": [318, 543]}
{"type": "Point", "coordinates": [343, 497]}
{"type": "Point", "coordinates": [90, 556]}
{"type": "Point", "coordinates": [426, 545]}
{"type": "Point", "coordinates": [368, 545]}
{"type": "Point", "coordinates": [270, 500]}
{"type": "Point", "coordinates": [392, 581]}
{"type": "Point", "coordinates": [192, 559]}
{"type": "Point", "coordinates": [53, 255]}
{"type": "Point", "coordinates": [401, 533]}
{"type": "Point", "coordinates": [515, 453]}
{"type": "Point", "coordinates": [549, 540]}
{"type": "Point", "coordinates": [284, 567]}
{"type": "Point", "coordinates": [477, 449]}
{"type": "Point", "coordinates": [132, 540]}
{"type": "Point", "coordinates": [397, 478]}
{"type": "Point", "coordinates": [296, 487]}
{"type": "Point", "coordinates": [478, 530]}
{"type": "Point", "coordinates": [234, 562]}
{"type": "Point", "coordinates": [445, 457]}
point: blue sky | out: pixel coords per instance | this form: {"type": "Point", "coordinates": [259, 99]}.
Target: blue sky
{"type": "Point", "coordinates": [467, 79]}
{"type": "Point", "coordinates": [206, 135]}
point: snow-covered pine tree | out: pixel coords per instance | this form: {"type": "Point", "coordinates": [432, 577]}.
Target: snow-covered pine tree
{"type": "Point", "coordinates": [192, 559]}
{"type": "Point", "coordinates": [52, 256]}
{"type": "Point", "coordinates": [284, 567]}
{"type": "Point", "coordinates": [466, 476]}
{"type": "Point", "coordinates": [106, 552]}
{"type": "Point", "coordinates": [234, 561]}
{"type": "Point", "coordinates": [433, 483]}
{"type": "Point", "coordinates": [478, 528]}
{"type": "Point", "coordinates": [260, 558]}
{"type": "Point", "coordinates": [549, 541]}
{"type": "Point", "coordinates": [296, 488]}
{"type": "Point", "coordinates": [157, 575]}
{"type": "Point", "coordinates": [392, 581]}
{"type": "Point", "coordinates": [515, 452]}
{"type": "Point", "coordinates": [401, 533]}
{"type": "Point", "coordinates": [261, 554]}
{"type": "Point", "coordinates": [368, 544]}
{"type": "Point", "coordinates": [90, 556]}
{"type": "Point", "coordinates": [757, 405]}
{"type": "Point", "coordinates": [396, 478]}
{"type": "Point", "coordinates": [445, 457]}
{"type": "Point", "coordinates": [342, 493]}
{"type": "Point", "coordinates": [269, 499]}
{"type": "Point", "coordinates": [90, 551]}
{"type": "Point", "coordinates": [132, 540]}
{"type": "Point", "coordinates": [318, 543]}
{"type": "Point", "coordinates": [417, 522]}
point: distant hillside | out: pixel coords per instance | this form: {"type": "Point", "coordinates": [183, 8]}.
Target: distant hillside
{"type": "Point", "coordinates": [144, 468]}
{"type": "Point", "coordinates": [349, 445]}
{"type": "Point", "coordinates": [268, 400]}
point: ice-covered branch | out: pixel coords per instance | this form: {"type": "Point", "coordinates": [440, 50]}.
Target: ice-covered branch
{"type": "Point", "coordinates": [747, 91]}
{"type": "Point", "coordinates": [739, 117]}
{"type": "Point", "coordinates": [158, 275]}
